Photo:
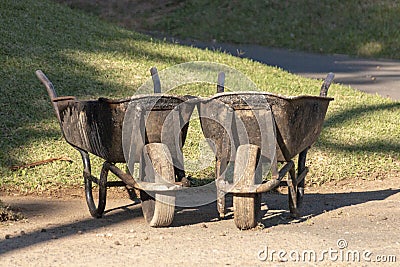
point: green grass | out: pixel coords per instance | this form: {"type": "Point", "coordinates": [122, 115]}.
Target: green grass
{"type": "Point", "coordinates": [87, 57]}
{"type": "Point", "coordinates": [362, 28]}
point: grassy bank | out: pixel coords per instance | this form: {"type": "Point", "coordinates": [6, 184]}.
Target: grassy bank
{"type": "Point", "coordinates": [88, 58]}
{"type": "Point", "coordinates": [363, 28]}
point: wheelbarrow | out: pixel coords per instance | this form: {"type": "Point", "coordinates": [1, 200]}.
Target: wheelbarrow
{"type": "Point", "coordinates": [256, 129]}
{"type": "Point", "coordinates": [98, 126]}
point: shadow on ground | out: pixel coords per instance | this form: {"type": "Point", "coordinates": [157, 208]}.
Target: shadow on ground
{"type": "Point", "coordinates": [316, 204]}
{"type": "Point", "coordinates": [277, 214]}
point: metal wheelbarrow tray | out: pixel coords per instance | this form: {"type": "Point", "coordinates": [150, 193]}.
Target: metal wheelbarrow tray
{"type": "Point", "coordinates": [297, 123]}
{"type": "Point", "coordinates": [96, 127]}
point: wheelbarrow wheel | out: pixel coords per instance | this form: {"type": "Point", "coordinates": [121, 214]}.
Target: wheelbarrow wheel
{"type": "Point", "coordinates": [246, 210]}
{"type": "Point", "coordinates": [246, 206]}
{"type": "Point", "coordinates": [158, 207]}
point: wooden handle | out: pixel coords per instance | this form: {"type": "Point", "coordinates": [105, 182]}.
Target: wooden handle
{"type": "Point", "coordinates": [156, 80]}
{"type": "Point", "coordinates": [50, 90]}
{"type": "Point", "coordinates": [326, 84]}
{"type": "Point", "coordinates": [221, 82]}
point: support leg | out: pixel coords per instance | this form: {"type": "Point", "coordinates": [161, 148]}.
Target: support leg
{"type": "Point", "coordinates": [98, 211]}
{"type": "Point", "coordinates": [220, 180]}
{"type": "Point", "coordinates": [301, 166]}
{"type": "Point", "coordinates": [292, 188]}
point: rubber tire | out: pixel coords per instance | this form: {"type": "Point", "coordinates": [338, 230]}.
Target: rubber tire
{"type": "Point", "coordinates": [246, 206]}
{"type": "Point", "coordinates": [159, 210]}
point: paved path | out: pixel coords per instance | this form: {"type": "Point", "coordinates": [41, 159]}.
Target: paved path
{"type": "Point", "coordinates": [369, 75]}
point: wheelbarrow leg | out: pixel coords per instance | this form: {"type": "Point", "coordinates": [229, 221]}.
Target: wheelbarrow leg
{"type": "Point", "coordinates": [98, 211]}
{"type": "Point", "coordinates": [292, 188]}
{"type": "Point", "coordinates": [220, 181]}
{"type": "Point", "coordinates": [301, 167]}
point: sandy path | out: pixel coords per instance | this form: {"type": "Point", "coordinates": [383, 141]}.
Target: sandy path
{"type": "Point", "coordinates": [61, 232]}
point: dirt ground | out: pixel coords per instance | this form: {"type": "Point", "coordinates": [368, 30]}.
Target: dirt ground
{"type": "Point", "coordinates": [352, 223]}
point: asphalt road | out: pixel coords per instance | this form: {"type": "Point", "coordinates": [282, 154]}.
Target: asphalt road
{"type": "Point", "coordinates": [375, 76]}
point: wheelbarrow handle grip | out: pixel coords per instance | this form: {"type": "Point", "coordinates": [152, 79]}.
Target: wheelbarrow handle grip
{"type": "Point", "coordinates": [156, 80]}
{"type": "Point", "coordinates": [221, 82]}
{"type": "Point", "coordinates": [326, 84]}
{"type": "Point", "coordinates": [49, 86]}
{"type": "Point", "coordinates": [50, 90]}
